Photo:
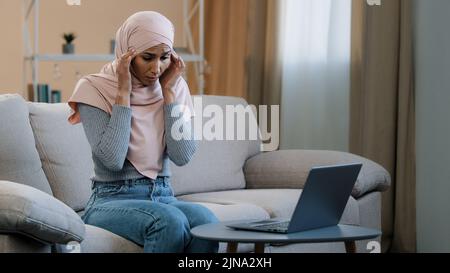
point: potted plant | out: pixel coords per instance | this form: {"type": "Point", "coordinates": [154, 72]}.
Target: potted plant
{"type": "Point", "coordinates": [68, 47]}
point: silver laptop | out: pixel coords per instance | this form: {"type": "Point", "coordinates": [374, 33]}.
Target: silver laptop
{"type": "Point", "coordinates": [321, 204]}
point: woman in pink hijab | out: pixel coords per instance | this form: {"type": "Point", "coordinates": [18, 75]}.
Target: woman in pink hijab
{"type": "Point", "coordinates": [128, 111]}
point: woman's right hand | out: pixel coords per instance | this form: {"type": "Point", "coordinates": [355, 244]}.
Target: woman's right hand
{"type": "Point", "coordinates": [123, 71]}
{"type": "Point", "coordinates": [124, 78]}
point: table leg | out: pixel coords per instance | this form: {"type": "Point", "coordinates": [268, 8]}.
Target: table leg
{"type": "Point", "coordinates": [232, 247]}
{"type": "Point", "coordinates": [350, 247]}
{"type": "Point", "coordinates": [259, 247]}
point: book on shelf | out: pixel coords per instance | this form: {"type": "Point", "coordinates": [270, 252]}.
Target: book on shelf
{"type": "Point", "coordinates": [43, 94]}
{"type": "Point", "coordinates": [55, 96]}
{"type": "Point", "coordinates": [30, 90]}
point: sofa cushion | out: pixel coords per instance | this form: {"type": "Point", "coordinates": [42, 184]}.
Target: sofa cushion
{"type": "Point", "coordinates": [279, 203]}
{"type": "Point", "coordinates": [31, 212]}
{"type": "Point", "coordinates": [290, 169]}
{"type": "Point", "coordinates": [217, 164]}
{"type": "Point", "coordinates": [65, 153]}
{"type": "Point", "coordinates": [98, 240]}
{"type": "Point", "coordinates": [235, 212]}
{"type": "Point", "coordinates": [19, 158]}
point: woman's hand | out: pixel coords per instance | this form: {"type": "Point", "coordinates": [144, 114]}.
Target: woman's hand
{"type": "Point", "coordinates": [123, 71]}
{"type": "Point", "coordinates": [170, 77]}
{"type": "Point", "coordinates": [124, 78]}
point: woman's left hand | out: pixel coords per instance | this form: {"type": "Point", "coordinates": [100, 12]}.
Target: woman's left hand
{"type": "Point", "coordinates": [170, 77]}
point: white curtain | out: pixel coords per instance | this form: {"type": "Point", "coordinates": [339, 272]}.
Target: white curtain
{"type": "Point", "coordinates": [316, 74]}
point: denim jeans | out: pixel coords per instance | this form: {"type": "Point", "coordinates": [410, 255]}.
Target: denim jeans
{"type": "Point", "coordinates": [146, 212]}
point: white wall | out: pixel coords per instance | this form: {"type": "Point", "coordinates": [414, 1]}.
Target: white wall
{"type": "Point", "coordinates": [93, 26]}
{"type": "Point", "coordinates": [433, 124]}
{"type": "Point", "coordinates": [10, 46]}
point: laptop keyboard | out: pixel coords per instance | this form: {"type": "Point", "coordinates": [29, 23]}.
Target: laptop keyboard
{"type": "Point", "coordinates": [274, 226]}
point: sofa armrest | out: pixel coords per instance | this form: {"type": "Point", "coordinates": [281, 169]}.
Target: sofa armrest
{"type": "Point", "coordinates": [290, 169]}
{"type": "Point", "coordinates": [35, 214]}
{"type": "Point", "coordinates": [17, 243]}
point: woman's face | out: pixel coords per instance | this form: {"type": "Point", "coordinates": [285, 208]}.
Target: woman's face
{"type": "Point", "coordinates": [150, 64]}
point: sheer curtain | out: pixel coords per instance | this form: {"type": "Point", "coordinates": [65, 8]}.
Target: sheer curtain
{"type": "Point", "coordinates": [316, 74]}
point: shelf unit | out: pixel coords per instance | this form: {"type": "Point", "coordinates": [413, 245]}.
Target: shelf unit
{"type": "Point", "coordinates": [33, 57]}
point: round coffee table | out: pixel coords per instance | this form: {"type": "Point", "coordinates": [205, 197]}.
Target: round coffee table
{"type": "Point", "coordinates": [348, 234]}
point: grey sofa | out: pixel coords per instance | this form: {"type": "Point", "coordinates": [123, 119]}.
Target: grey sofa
{"type": "Point", "coordinates": [45, 166]}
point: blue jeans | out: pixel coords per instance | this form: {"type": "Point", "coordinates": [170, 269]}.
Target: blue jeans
{"type": "Point", "coordinates": [146, 212]}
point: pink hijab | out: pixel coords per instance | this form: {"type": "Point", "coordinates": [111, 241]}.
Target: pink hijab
{"type": "Point", "coordinates": [142, 30]}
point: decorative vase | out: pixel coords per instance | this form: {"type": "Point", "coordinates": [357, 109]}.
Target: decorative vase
{"type": "Point", "coordinates": [68, 48]}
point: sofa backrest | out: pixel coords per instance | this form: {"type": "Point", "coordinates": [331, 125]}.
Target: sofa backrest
{"type": "Point", "coordinates": [218, 164]}
{"type": "Point", "coordinates": [41, 149]}
{"type": "Point", "coordinates": [19, 159]}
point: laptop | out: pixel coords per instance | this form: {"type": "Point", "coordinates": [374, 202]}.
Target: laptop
{"type": "Point", "coordinates": [321, 204]}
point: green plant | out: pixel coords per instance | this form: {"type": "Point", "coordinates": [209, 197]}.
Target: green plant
{"type": "Point", "coordinates": [69, 37]}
